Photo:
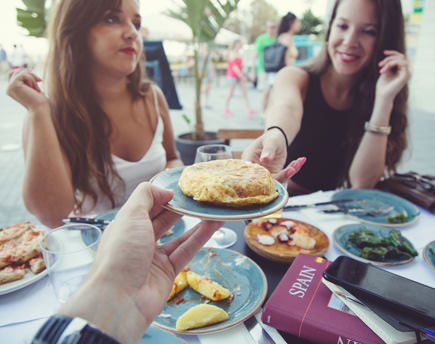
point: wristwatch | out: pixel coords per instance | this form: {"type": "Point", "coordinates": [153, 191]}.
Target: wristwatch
{"type": "Point", "coordinates": [60, 329]}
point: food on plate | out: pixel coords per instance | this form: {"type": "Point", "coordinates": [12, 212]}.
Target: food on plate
{"type": "Point", "coordinates": [228, 182]}
{"type": "Point", "coordinates": [199, 316]}
{"type": "Point", "coordinates": [207, 287]}
{"type": "Point", "coordinates": [282, 239]}
{"type": "Point", "coordinates": [380, 248]}
{"type": "Point", "coordinates": [180, 283]}
{"type": "Point", "coordinates": [399, 218]}
{"type": "Point", "coordinates": [12, 273]}
{"type": "Point", "coordinates": [14, 231]}
{"type": "Point", "coordinates": [19, 250]}
{"type": "Point", "coordinates": [37, 264]}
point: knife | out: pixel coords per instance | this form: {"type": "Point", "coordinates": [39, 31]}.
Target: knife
{"type": "Point", "coordinates": [257, 333]}
{"type": "Point", "coordinates": [90, 220]}
{"type": "Point", "coordinates": [321, 204]}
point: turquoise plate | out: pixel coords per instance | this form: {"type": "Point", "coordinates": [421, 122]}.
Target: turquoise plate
{"type": "Point", "coordinates": [182, 204]}
{"type": "Point", "coordinates": [341, 240]}
{"type": "Point", "coordinates": [155, 335]}
{"type": "Point", "coordinates": [172, 233]}
{"type": "Point", "coordinates": [429, 254]}
{"type": "Point", "coordinates": [375, 199]}
{"type": "Point", "coordinates": [233, 270]}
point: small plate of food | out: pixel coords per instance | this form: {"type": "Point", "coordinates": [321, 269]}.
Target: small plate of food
{"type": "Point", "coordinates": [401, 212]}
{"type": "Point", "coordinates": [229, 189]}
{"type": "Point", "coordinates": [282, 239]}
{"type": "Point", "coordinates": [21, 262]}
{"type": "Point", "coordinates": [374, 244]}
{"type": "Point", "coordinates": [429, 254]}
{"type": "Point", "coordinates": [218, 289]}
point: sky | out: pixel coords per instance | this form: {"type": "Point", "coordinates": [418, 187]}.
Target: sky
{"type": "Point", "coordinates": [10, 33]}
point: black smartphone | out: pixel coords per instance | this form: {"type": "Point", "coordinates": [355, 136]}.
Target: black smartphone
{"type": "Point", "coordinates": [382, 286]}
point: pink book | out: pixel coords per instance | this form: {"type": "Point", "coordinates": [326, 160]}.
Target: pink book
{"type": "Point", "coordinates": [303, 306]}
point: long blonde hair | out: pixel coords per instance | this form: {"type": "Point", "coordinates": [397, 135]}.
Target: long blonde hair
{"type": "Point", "coordinates": [390, 36]}
{"type": "Point", "coordinates": [83, 128]}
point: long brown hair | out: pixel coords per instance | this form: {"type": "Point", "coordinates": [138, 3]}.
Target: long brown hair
{"type": "Point", "coordinates": [390, 36]}
{"type": "Point", "coordinates": [82, 127]}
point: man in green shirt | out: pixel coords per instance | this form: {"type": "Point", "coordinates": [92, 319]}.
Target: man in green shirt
{"type": "Point", "coordinates": [261, 42]}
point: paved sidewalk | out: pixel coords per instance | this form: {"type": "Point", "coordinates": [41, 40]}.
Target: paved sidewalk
{"type": "Point", "coordinates": [420, 157]}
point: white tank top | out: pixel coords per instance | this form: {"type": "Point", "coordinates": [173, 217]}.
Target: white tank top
{"type": "Point", "coordinates": [131, 173]}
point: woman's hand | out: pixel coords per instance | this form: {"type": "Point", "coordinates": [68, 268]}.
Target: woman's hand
{"type": "Point", "coordinates": [23, 87]}
{"type": "Point", "coordinates": [270, 151]}
{"type": "Point", "coordinates": [394, 74]}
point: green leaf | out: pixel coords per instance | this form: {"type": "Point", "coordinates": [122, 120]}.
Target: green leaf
{"type": "Point", "coordinates": [205, 19]}
{"type": "Point", "coordinates": [33, 17]}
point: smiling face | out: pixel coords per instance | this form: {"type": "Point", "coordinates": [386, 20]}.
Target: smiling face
{"type": "Point", "coordinates": [353, 35]}
{"type": "Point", "coordinates": [115, 43]}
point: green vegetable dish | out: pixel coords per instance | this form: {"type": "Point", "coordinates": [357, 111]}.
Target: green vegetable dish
{"type": "Point", "coordinates": [400, 218]}
{"type": "Point", "coordinates": [381, 248]}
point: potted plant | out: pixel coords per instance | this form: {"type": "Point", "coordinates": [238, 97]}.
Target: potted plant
{"type": "Point", "coordinates": [205, 18]}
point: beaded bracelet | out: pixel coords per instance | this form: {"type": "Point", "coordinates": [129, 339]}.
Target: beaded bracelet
{"type": "Point", "coordinates": [282, 131]}
{"type": "Point", "coordinates": [382, 130]}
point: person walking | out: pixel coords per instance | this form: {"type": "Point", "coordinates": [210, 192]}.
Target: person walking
{"type": "Point", "coordinates": [4, 64]}
{"type": "Point", "coordinates": [288, 27]}
{"type": "Point", "coordinates": [236, 76]}
{"type": "Point", "coordinates": [257, 70]}
{"type": "Point", "coordinates": [207, 71]}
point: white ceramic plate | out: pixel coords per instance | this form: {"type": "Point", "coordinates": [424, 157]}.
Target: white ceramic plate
{"type": "Point", "coordinates": [28, 279]}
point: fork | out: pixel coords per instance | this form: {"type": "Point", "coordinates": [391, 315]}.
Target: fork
{"type": "Point", "coordinates": [361, 212]}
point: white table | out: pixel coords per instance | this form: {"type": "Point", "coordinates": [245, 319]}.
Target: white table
{"type": "Point", "coordinates": [22, 312]}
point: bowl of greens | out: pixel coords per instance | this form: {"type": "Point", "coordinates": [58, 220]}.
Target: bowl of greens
{"type": "Point", "coordinates": [374, 244]}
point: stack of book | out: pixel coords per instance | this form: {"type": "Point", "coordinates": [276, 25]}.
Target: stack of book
{"type": "Point", "coordinates": [306, 305]}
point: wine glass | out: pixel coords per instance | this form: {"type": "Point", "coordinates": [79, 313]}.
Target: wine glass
{"type": "Point", "coordinates": [223, 237]}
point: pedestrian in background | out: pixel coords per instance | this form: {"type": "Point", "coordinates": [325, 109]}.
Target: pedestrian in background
{"type": "Point", "coordinates": [257, 70]}
{"type": "Point", "coordinates": [236, 76]}
{"type": "Point", "coordinates": [288, 27]}
{"type": "Point", "coordinates": [208, 71]}
{"type": "Point", "coordinates": [4, 63]}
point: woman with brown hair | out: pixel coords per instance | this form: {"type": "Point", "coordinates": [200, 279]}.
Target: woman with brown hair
{"type": "Point", "coordinates": [101, 129]}
{"type": "Point", "coordinates": [345, 111]}
{"type": "Point", "coordinates": [288, 27]}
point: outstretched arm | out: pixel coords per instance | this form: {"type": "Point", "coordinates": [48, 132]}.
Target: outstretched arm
{"type": "Point", "coordinates": [284, 111]}
{"type": "Point", "coordinates": [131, 275]}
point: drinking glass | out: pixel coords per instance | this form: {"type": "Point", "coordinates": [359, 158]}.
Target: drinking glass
{"type": "Point", "coordinates": [68, 253]}
{"type": "Point", "coordinates": [223, 237]}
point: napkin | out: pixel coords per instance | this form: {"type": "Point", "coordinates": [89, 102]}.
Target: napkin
{"type": "Point", "coordinates": [236, 334]}
{"type": "Point", "coordinates": [32, 302]}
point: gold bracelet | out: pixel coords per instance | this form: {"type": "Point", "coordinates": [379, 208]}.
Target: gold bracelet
{"type": "Point", "coordinates": [377, 129]}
